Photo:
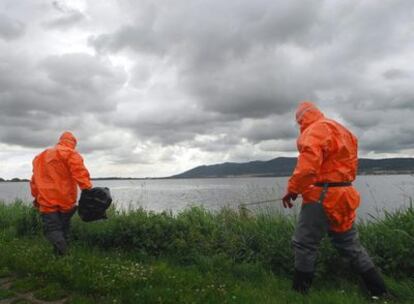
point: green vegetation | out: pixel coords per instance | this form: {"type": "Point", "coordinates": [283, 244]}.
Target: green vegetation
{"type": "Point", "coordinates": [5, 294]}
{"type": "Point", "coordinates": [284, 166]}
{"type": "Point", "coordinates": [193, 257]}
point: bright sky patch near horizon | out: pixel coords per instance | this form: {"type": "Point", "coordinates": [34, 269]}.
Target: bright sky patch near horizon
{"type": "Point", "coordinates": [153, 88]}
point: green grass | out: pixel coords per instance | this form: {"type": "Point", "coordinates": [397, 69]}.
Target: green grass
{"type": "Point", "coordinates": [6, 294]}
{"type": "Point", "coordinates": [4, 272]}
{"type": "Point", "coordinates": [26, 284]}
{"type": "Point", "coordinates": [51, 292]}
{"type": "Point", "coordinates": [194, 257]}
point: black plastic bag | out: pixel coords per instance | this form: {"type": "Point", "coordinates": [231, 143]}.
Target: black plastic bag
{"type": "Point", "coordinates": [93, 204]}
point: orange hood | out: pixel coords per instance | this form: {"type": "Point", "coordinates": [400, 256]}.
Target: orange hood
{"type": "Point", "coordinates": [67, 139]}
{"type": "Point", "coordinates": [307, 113]}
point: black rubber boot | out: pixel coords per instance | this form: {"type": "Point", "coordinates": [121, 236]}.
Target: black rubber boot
{"type": "Point", "coordinates": [302, 281]}
{"type": "Point", "coordinates": [374, 283]}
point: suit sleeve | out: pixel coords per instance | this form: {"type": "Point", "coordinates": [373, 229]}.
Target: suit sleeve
{"type": "Point", "coordinates": [79, 171]}
{"type": "Point", "coordinates": [311, 154]}
{"type": "Point", "coordinates": [33, 187]}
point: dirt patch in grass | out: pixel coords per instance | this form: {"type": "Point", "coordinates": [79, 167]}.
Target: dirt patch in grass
{"type": "Point", "coordinates": [30, 290]}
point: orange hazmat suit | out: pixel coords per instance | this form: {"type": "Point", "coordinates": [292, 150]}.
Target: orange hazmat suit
{"type": "Point", "coordinates": [57, 172]}
{"type": "Point", "coordinates": [328, 153]}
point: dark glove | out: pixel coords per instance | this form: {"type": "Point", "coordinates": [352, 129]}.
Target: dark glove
{"type": "Point", "coordinates": [35, 204]}
{"type": "Point", "coordinates": [286, 199]}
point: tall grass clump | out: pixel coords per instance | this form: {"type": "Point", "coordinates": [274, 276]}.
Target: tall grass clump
{"type": "Point", "coordinates": [239, 237]}
{"type": "Point", "coordinates": [391, 238]}
{"type": "Point", "coordinates": [196, 232]}
{"type": "Point", "coordinates": [19, 217]}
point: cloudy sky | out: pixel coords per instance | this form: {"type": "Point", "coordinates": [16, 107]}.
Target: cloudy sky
{"type": "Point", "coordinates": [153, 88]}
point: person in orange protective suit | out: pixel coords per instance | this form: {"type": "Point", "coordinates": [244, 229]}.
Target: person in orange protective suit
{"type": "Point", "coordinates": [57, 173]}
{"type": "Point", "coordinates": [326, 167]}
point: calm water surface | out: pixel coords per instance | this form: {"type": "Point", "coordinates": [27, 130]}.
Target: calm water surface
{"type": "Point", "coordinates": [381, 192]}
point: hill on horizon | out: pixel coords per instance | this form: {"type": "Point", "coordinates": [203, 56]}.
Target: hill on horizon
{"type": "Point", "coordinates": [283, 166]}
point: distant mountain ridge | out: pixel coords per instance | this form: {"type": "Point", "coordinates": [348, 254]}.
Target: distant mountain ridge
{"type": "Point", "coordinates": [283, 166]}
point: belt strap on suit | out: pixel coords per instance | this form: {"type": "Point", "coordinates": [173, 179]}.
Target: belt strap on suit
{"type": "Point", "coordinates": [335, 184]}
{"type": "Point", "coordinates": [327, 185]}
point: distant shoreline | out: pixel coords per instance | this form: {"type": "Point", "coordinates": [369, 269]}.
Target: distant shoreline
{"type": "Point", "coordinates": [209, 177]}
{"type": "Point", "coordinates": [277, 167]}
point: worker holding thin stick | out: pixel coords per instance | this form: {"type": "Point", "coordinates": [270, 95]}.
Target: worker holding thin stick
{"type": "Point", "coordinates": [326, 167]}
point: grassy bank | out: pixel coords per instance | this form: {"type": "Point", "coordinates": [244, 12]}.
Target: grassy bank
{"type": "Point", "coordinates": [194, 257]}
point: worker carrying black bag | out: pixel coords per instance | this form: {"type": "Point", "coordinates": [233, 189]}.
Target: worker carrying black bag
{"type": "Point", "coordinates": [93, 204]}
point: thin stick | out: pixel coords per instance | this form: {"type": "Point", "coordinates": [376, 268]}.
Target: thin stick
{"type": "Point", "coordinates": [260, 202]}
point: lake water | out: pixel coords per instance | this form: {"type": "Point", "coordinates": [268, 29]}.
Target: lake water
{"type": "Point", "coordinates": [380, 192]}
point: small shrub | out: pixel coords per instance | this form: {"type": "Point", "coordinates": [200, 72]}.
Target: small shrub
{"type": "Point", "coordinates": [29, 223]}
{"type": "Point", "coordinates": [52, 292]}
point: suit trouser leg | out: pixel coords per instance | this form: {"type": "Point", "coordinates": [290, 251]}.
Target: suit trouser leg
{"type": "Point", "coordinates": [349, 246]}
{"type": "Point", "coordinates": [53, 231]}
{"type": "Point", "coordinates": [311, 227]}
{"type": "Point", "coordinates": [65, 218]}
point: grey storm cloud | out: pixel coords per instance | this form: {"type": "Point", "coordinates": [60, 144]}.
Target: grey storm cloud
{"type": "Point", "coordinates": [231, 66]}
{"type": "Point", "coordinates": [67, 18]}
{"type": "Point", "coordinates": [384, 131]}
{"type": "Point", "coordinates": [37, 98]}
{"type": "Point", "coordinates": [392, 139]}
{"type": "Point", "coordinates": [10, 28]}
{"type": "Point", "coordinates": [256, 60]}
{"type": "Point", "coordinates": [221, 77]}
{"type": "Point", "coordinates": [86, 75]}
{"type": "Point", "coordinates": [231, 62]}
{"type": "Point", "coordinates": [275, 127]}
{"type": "Point", "coordinates": [66, 84]}
{"type": "Point", "coordinates": [396, 74]}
